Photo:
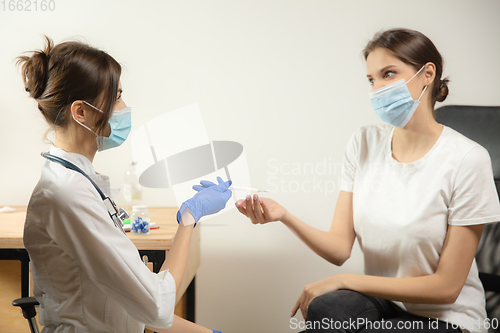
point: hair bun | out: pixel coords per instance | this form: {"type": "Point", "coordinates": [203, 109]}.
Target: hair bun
{"type": "Point", "coordinates": [442, 91]}
{"type": "Point", "coordinates": [35, 70]}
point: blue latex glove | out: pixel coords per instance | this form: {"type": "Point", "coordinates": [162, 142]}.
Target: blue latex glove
{"type": "Point", "coordinates": [216, 331]}
{"type": "Point", "coordinates": [205, 184]}
{"type": "Point", "coordinates": [210, 199]}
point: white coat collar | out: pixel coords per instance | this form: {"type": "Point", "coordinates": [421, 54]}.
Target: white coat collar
{"type": "Point", "coordinates": [84, 163]}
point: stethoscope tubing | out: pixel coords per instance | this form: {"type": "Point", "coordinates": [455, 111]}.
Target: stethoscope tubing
{"type": "Point", "coordinates": [108, 202]}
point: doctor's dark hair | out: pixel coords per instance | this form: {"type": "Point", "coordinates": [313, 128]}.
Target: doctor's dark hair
{"type": "Point", "coordinates": [414, 48]}
{"type": "Point", "coordinates": [59, 75]}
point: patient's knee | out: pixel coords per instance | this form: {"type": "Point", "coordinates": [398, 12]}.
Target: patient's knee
{"type": "Point", "coordinates": [335, 305]}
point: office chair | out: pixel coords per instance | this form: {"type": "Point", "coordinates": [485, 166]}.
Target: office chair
{"type": "Point", "coordinates": [482, 125]}
{"type": "Point", "coordinates": [28, 304]}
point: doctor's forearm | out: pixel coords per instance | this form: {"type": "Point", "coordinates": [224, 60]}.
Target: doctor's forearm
{"type": "Point", "coordinates": [179, 251]}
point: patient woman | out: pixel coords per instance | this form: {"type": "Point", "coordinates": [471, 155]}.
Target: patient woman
{"type": "Point", "coordinates": [416, 195]}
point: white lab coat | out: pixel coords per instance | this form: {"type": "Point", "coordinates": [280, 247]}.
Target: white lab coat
{"type": "Point", "coordinates": [88, 276]}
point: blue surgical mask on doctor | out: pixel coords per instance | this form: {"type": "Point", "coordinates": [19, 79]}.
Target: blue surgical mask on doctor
{"type": "Point", "coordinates": [394, 104]}
{"type": "Point", "coordinates": [120, 122]}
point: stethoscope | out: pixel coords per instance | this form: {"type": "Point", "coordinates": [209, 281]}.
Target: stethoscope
{"type": "Point", "coordinates": [117, 215]}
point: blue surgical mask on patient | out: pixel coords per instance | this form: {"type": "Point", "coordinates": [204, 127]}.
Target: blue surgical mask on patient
{"type": "Point", "coordinates": [120, 122]}
{"type": "Point", "coordinates": [394, 104]}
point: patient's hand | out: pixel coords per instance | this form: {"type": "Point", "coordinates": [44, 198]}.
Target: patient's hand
{"type": "Point", "coordinates": [261, 210]}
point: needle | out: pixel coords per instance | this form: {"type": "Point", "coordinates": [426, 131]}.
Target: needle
{"type": "Point", "coordinates": [248, 189]}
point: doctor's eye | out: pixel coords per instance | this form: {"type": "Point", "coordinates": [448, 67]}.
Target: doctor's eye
{"type": "Point", "coordinates": [120, 91]}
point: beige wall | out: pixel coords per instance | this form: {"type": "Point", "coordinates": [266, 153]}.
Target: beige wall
{"type": "Point", "coordinates": [284, 78]}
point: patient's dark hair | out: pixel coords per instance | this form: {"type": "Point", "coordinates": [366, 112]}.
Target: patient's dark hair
{"type": "Point", "coordinates": [59, 75]}
{"type": "Point", "coordinates": [414, 48]}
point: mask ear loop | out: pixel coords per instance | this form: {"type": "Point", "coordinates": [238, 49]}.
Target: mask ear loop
{"type": "Point", "coordinates": [422, 93]}
{"type": "Point", "coordinates": [85, 126]}
{"type": "Point", "coordinates": [94, 109]}
{"type": "Point", "coordinates": [412, 76]}
{"type": "Point", "coordinates": [412, 79]}
{"type": "Point", "coordinates": [103, 111]}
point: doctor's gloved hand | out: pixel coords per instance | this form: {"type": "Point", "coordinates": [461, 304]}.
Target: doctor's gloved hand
{"type": "Point", "coordinates": [210, 199]}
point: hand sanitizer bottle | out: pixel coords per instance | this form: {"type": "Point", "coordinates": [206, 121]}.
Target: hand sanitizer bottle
{"type": "Point", "coordinates": [132, 190]}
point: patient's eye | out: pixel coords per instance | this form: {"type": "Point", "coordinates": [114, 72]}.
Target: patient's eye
{"type": "Point", "coordinates": [389, 74]}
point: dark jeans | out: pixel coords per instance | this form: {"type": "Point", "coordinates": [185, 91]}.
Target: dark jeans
{"type": "Point", "coordinates": [350, 311]}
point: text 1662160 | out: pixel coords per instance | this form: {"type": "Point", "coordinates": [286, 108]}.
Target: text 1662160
{"type": "Point", "coordinates": [28, 5]}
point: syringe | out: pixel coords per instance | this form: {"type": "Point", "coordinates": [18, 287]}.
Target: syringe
{"type": "Point", "coordinates": [248, 189]}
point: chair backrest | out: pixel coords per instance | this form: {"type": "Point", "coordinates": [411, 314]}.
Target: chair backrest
{"type": "Point", "coordinates": [482, 125]}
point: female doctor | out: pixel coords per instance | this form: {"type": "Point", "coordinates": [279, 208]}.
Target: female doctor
{"type": "Point", "coordinates": [87, 274]}
{"type": "Point", "coordinates": [415, 194]}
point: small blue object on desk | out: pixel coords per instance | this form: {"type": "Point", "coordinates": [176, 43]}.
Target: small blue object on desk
{"type": "Point", "coordinates": [140, 226]}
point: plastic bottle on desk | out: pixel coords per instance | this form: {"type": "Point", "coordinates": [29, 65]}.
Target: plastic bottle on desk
{"type": "Point", "coordinates": [139, 221]}
{"type": "Point", "coordinates": [132, 189]}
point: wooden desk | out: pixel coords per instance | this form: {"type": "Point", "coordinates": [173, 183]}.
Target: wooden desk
{"type": "Point", "coordinates": [155, 245]}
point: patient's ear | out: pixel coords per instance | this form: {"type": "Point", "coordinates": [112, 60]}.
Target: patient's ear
{"type": "Point", "coordinates": [429, 73]}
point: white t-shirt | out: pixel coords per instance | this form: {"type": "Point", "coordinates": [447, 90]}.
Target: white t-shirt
{"type": "Point", "coordinates": [87, 274]}
{"type": "Point", "coordinates": [401, 211]}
